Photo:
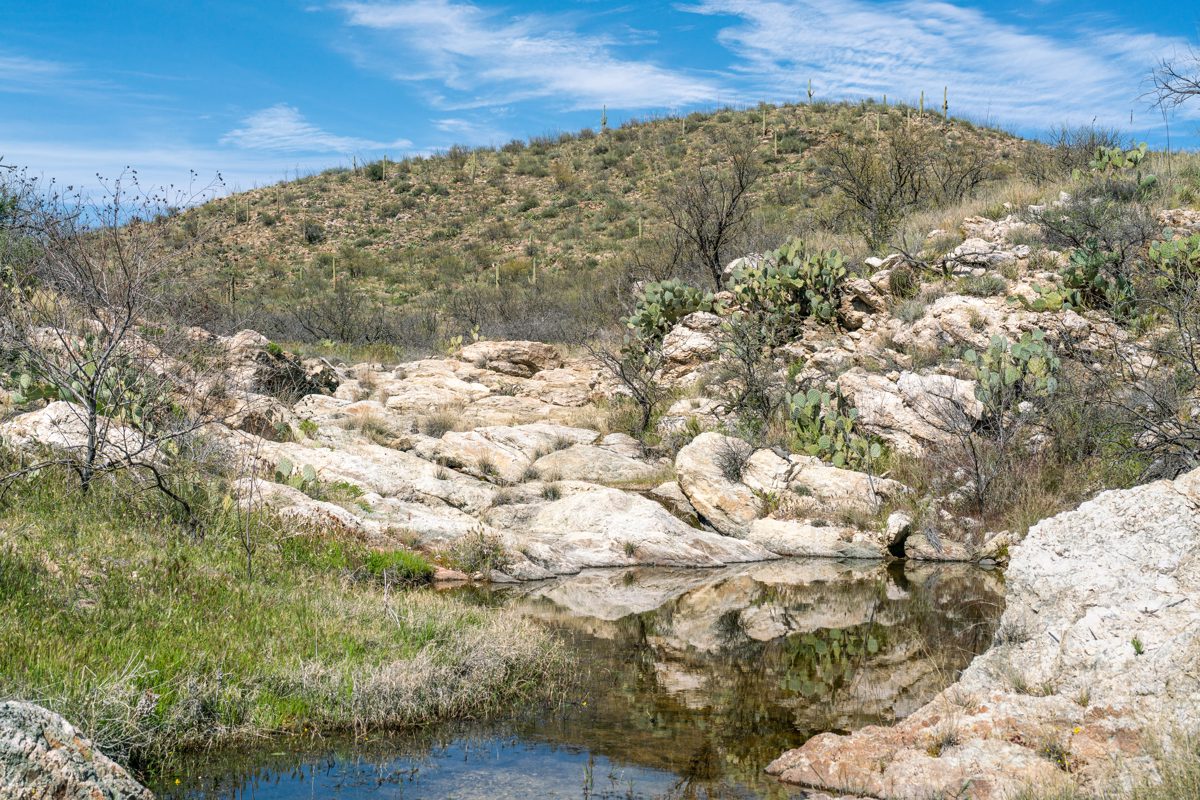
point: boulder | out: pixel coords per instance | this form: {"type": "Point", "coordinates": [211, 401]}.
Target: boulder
{"type": "Point", "coordinates": [595, 526]}
{"type": "Point", "coordinates": [727, 504]}
{"type": "Point", "coordinates": [509, 450]}
{"type": "Point", "coordinates": [585, 462]}
{"type": "Point", "coordinates": [520, 359]}
{"type": "Point", "coordinates": [1093, 666]}
{"type": "Point", "coordinates": [63, 428]}
{"type": "Point", "coordinates": [692, 344]}
{"type": "Point", "coordinates": [806, 538]}
{"type": "Point", "coordinates": [819, 489]}
{"type": "Point", "coordinates": [914, 411]}
{"type": "Point", "coordinates": [44, 756]}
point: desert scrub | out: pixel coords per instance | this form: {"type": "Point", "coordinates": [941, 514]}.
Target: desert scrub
{"type": "Point", "coordinates": [152, 641]}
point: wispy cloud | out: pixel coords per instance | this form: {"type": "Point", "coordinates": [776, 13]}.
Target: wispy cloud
{"type": "Point", "coordinates": [478, 57]}
{"type": "Point", "coordinates": [864, 48]}
{"type": "Point", "coordinates": [29, 75]}
{"type": "Point", "coordinates": [283, 129]}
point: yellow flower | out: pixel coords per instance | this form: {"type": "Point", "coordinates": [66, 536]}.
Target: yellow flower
{"type": "Point", "coordinates": [177, 781]}
{"type": "Point", "coordinates": [1077, 729]}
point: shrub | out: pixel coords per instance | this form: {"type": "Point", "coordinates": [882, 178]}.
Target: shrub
{"type": "Point", "coordinates": [823, 425]}
{"type": "Point", "coordinates": [312, 232]}
{"type": "Point", "coordinates": [664, 303]}
{"type": "Point", "coordinates": [398, 567]}
{"type": "Point", "coordinates": [792, 284]}
{"type": "Point", "coordinates": [477, 552]}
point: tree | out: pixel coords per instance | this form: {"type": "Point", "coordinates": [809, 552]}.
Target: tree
{"type": "Point", "coordinates": [88, 316]}
{"type": "Point", "coordinates": [877, 184]}
{"type": "Point", "coordinates": [1177, 80]}
{"type": "Point", "coordinates": [711, 209]}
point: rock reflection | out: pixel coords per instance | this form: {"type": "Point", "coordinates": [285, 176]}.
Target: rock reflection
{"type": "Point", "coordinates": [691, 682]}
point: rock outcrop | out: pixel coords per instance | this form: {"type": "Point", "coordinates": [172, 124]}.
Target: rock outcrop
{"type": "Point", "coordinates": [1094, 663]}
{"type": "Point", "coordinates": [42, 756]}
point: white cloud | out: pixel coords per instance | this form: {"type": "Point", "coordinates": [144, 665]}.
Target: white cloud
{"type": "Point", "coordinates": [283, 129]}
{"type": "Point", "coordinates": [861, 48]}
{"type": "Point", "coordinates": [484, 58]}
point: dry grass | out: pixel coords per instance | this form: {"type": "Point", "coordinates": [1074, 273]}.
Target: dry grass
{"type": "Point", "coordinates": [152, 641]}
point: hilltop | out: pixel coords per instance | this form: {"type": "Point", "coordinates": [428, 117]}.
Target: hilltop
{"type": "Point", "coordinates": [532, 239]}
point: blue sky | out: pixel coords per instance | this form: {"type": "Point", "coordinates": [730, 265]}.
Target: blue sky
{"type": "Point", "coordinates": [259, 89]}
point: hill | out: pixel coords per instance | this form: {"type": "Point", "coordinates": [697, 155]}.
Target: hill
{"type": "Point", "coordinates": [534, 239]}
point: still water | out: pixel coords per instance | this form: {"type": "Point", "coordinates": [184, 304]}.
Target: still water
{"type": "Point", "coordinates": [693, 681]}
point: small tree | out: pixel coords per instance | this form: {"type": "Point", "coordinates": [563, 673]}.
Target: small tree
{"type": "Point", "coordinates": [711, 209]}
{"type": "Point", "coordinates": [87, 316]}
{"type": "Point", "coordinates": [1177, 80]}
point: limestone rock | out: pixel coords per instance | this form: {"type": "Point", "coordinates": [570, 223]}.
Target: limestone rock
{"type": "Point", "coordinates": [693, 343]}
{"type": "Point", "coordinates": [594, 526]}
{"type": "Point", "coordinates": [585, 462]}
{"type": "Point", "coordinates": [728, 505]}
{"type": "Point", "coordinates": [508, 450]}
{"type": "Point", "coordinates": [914, 411]}
{"type": "Point", "coordinates": [521, 359]}
{"type": "Point", "coordinates": [1095, 656]}
{"type": "Point", "coordinates": [44, 756]}
{"type": "Point", "coordinates": [804, 538]}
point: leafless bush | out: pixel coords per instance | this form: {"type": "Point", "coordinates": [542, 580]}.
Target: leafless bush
{"type": "Point", "coordinates": [731, 457]}
{"type": "Point", "coordinates": [876, 185]}
{"type": "Point", "coordinates": [710, 209]}
{"type": "Point", "coordinates": [89, 317]}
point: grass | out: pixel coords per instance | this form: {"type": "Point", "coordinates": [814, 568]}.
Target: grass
{"type": "Point", "coordinates": [152, 641]}
{"type": "Point", "coordinates": [1178, 778]}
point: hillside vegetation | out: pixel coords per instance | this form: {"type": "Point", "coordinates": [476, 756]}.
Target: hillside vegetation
{"type": "Point", "coordinates": [537, 239]}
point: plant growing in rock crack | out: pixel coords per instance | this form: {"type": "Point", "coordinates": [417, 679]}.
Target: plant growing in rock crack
{"type": "Point", "coordinates": [731, 456]}
{"type": "Point", "coordinates": [824, 425]}
{"type": "Point", "coordinates": [792, 284]}
{"type": "Point", "coordinates": [305, 478]}
{"type": "Point", "coordinates": [1014, 381]}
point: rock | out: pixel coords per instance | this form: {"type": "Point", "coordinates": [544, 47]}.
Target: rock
{"type": "Point", "coordinates": [860, 300]}
{"type": "Point", "coordinates": [44, 756]}
{"type": "Point", "coordinates": [521, 359]}
{"type": "Point", "coordinates": [728, 505]}
{"type": "Point", "coordinates": [63, 428]}
{"type": "Point", "coordinates": [1183, 220]}
{"type": "Point", "coordinates": [509, 450]}
{"type": "Point", "coordinates": [321, 374]}
{"type": "Point", "coordinates": [1101, 617]}
{"type": "Point", "coordinates": [446, 575]}
{"type": "Point", "coordinates": [818, 489]}
{"type": "Point", "coordinates": [673, 498]}
{"type": "Point", "coordinates": [256, 366]}
{"type": "Point", "coordinates": [766, 471]}
{"type": "Point", "coordinates": [699, 411]}
{"type": "Point", "coordinates": [691, 345]}
{"type": "Point", "coordinates": [803, 538]}
{"type": "Point", "coordinates": [913, 412]}
{"type": "Point", "coordinates": [928, 545]}
{"type": "Point", "coordinates": [584, 462]}
{"type": "Point", "coordinates": [594, 526]}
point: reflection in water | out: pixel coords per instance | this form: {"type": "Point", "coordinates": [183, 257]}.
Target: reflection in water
{"type": "Point", "coordinates": [693, 680]}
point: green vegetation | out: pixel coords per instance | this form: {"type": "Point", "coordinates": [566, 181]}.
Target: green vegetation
{"type": "Point", "coordinates": [152, 640]}
{"type": "Point", "coordinates": [539, 238]}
